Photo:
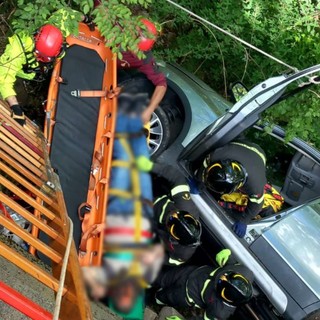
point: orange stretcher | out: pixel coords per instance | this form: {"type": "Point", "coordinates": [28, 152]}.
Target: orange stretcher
{"type": "Point", "coordinates": [84, 81]}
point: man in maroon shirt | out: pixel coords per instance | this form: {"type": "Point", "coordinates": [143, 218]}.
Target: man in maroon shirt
{"type": "Point", "coordinates": [147, 66]}
{"type": "Point", "coordinates": [150, 69]}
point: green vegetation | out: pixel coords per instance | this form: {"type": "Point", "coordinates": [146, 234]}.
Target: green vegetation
{"type": "Point", "coordinates": [286, 29]}
{"type": "Point", "coordinates": [114, 18]}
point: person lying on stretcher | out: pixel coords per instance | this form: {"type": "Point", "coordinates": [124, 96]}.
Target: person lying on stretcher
{"type": "Point", "coordinates": [132, 259]}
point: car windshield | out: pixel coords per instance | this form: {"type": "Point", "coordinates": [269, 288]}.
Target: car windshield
{"type": "Point", "coordinates": [297, 239]}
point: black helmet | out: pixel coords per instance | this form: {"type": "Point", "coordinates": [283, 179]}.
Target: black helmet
{"type": "Point", "coordinates": [225, 176]}
{"type": "Point", "coordinates": [234, 288]}
{"type": "Point", "coordinates": [184, 228]}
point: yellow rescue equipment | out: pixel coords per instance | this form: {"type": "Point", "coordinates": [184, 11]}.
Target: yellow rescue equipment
{"type": "Point", "coordinates": [272, 202]}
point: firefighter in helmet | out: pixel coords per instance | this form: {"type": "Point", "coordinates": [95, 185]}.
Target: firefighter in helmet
{"type": "Point", "coordinates": [30, 57]}
{"type": "Point", "coordinates": [176, 217]}
{"type": "Point", "coordinates": [218, 291]}
{"type": "Point", "coordinates": [180, 232]}
{"type": "Point", "coordinates": [238, 166]}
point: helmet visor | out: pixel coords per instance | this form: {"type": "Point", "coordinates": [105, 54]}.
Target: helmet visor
{"type": "Point", "coordinates": [185, 229]}
{"type": "Point", "coordinates": [225, 177]}
{"type": "Point", "coordinates": [43, 58]}
{"type": "Point", "coordinates": [234, 289]}
{"type": "Point", "coordinates": [47, 59]}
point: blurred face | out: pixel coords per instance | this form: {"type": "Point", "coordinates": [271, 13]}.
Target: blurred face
{"type": "Point", "coordinates": [124, 296]}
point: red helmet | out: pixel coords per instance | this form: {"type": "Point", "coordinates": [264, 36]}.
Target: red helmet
{"type": "Point", "coordinates": [145, 43]}
{"type": "Point", "coordinates": [48, 43]}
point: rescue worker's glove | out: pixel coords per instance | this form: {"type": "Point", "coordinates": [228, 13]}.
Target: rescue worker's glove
{"type": "Point", "coordinates": [17, 114]}
{"type": "Point", "coordinates": [239, 228]}
{"type": "Point", "coordinates": [144, 164]}
{"type": "Point", "coordinates": [223, 256]}
{"type": "Point", "coordinates": [89, 22]}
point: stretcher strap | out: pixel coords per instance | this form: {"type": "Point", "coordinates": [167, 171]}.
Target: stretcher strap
{"type": "Point", "coordinates": [110, 94]}
{"type": "Point", "coordinates": [121, 163]}
{"type": "Point", "coordinates": [135, 190]}
{"type": "Point", "coordinates": [92, 231]}
{"type": "Point", "coordinates": [126, 231]}
{"type": "Point", "coordinates": [129, 195]}
{"type": "Point", "coordinates": [131, 135]}
{"type": "Point", "coordinates": [95, 168]}
{"type": "Point", "coordinates": [84, 210]}
{"type": "Point", "coordinates": [120, 193]}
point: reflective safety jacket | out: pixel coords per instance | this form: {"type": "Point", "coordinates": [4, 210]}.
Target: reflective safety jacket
{"type": "Point", "coordinates": [18, 52]}
{"type": "Point", "coordinates": [253, 159]}
{"type": "Point", "coordinates": [18, 59]}
{"type": "Point", "coordinates": [177, 199]}
{"type": "Point", "coordinates": [187, 286]}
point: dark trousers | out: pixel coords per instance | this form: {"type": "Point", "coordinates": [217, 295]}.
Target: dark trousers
{"type": "Point", "coordinates": [172, 284]}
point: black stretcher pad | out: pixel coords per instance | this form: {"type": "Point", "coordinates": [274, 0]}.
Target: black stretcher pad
{"type": "Point", "coordinates": [75, 129]}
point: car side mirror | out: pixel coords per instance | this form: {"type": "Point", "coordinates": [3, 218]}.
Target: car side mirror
{"type": "Point", "coordinates": [238, 90]}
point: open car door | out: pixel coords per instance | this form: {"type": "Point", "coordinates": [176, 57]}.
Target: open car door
{"type": "Point", "coordinates": [243, 114]}
{"type": "Point", "coordinates": [79, 128]}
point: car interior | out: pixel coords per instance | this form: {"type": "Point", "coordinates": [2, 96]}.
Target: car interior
{"type": "Point", "coordinates": [293, 174]}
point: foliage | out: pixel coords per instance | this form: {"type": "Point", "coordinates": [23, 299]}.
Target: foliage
{"type": "Point", "coordinates": [118, 25]}
{"type": "Point", "coordinates": [286, 29]}
{"type": "Point", "coordinates": [114, 19]}
{"type": "Point", "coordinates": [30, 15]}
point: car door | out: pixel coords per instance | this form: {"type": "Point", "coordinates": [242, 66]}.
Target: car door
{"type": "Point", "coordinates": [243, 114]}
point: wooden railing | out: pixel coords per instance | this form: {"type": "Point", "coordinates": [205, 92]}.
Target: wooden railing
{"type": "Point", "coordinates": [30, 187]}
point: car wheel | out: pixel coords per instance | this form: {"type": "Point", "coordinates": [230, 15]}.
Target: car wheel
{"type": "Point", "coordinates": [167, 120]}
{"type": "Point", "coordinates": [159, 132]}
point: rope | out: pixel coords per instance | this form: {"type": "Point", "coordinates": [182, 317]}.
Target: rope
{"type": "Point", "coordinates": [63, 273]}
{"type": "Point", "coordinates": [232, 36]}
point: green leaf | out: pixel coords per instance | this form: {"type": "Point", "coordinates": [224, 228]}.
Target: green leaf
{"type": "Point", "coordinates": [28, 9]}
{"type": "Point", "coordinates": [86, 9]}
